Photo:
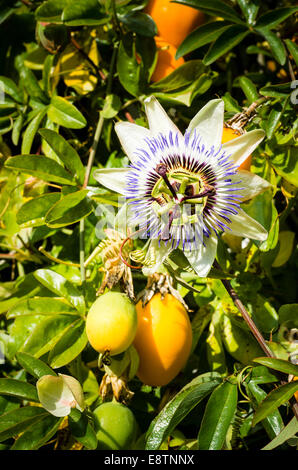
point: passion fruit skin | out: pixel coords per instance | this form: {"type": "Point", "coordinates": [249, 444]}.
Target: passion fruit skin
{"type": "Point", "coordinates": [111, 323]}
{"type": "Point", "coordinates": [163, 339]}
{"type": "Point", "coordinates": [115, 426]}
{"type": "Point", "coordinates": [231, 134]}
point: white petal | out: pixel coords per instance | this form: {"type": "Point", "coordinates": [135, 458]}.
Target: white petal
{"type": "Point", "coordinates": [202, 259]}
{"type": "Point", "coordinates": [252, 184]}
{"type": "Point", "coordinates": [241, 147]}
{"type": "Point", "coordinates": [112, 178]}
{"type": "Point", "coordinates": [160, 251]}
{"type": "Point", "coordinates": [208, 123]}
{"type": "Point", "coordinates": [245, 226]}
{"type": "Point", "coordinates": [158, 119]}
{"type": "Point", "coordinates": [123, 219]}
{"type": "Point", "coordinates": [131, 137]}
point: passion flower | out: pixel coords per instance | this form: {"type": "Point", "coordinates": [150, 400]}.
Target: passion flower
{"type": "Point", "coordinates": [184, 191]}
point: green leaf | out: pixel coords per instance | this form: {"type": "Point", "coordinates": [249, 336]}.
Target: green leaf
{"type": "Point", "coordinates": [33, 212]}
{"type": "Point", "coordinates": [274, 119]}
{"type": "Point", "coordinates": [289, 431]}
{"type": "Point", "coordinates": [250, 10]}
{"type": "Point", "coordinates": [127, 66]}
{"type": "Point", "coordinates": [51, 10]}
{"type": "Point", "coordinates": [264, 314]}
{"type": "Point", "coordinates": [285, 163]}
{"type": "Point", "coordinates": [62, 287]}
{"type": "Point", "coordinates": [278, 364]}
{"type": "Point", "coordinates": [139, 23]}
{"type": "Point", "coordinates": [65, 114]}
{"type": "Point", "coordinates": [69, 346]}
{"type": "Point", "coordinates": [288, 313]}
{"type": "Point", "coordinates": [41, 306]}
{"type": "Point", "coordinates": [34, 366]}
{"type": "Point", "coordinates": [65, 152]}
{"type": "Point", "coordinates": [230, 38]}
{"type": "Point", "coordinates": [201, 36]}
{"type": "Point", "coordinates": [30, 82]}
{"type": "Point", "coordinates": [46, 333]}
{"type": "Point", "coordinates": [70, 209]}
{"type": "Point", "coordinates": [83, 13]}
{"type": "Point", "coordinates": [16, 421]}
{"type": "Point", "coordinates": [276, 45]}
{"type": "Point", "coordinates": [82, 430]}
{"type": "Point", "coordinates": [179, 407]}
{"type": "Point", "coordinates": [48, 65]}
{"type": "Point", "coordinates": [293, 49]}
{"type": "Point", "coordinates": [9, 87]}
{"type": "Point", "coordinates": [261, 375]}
{"type": "Point", "coordinates": [17, 128]}
{"type": "Point", "coordinates": [111, 106]}
{"type": "Point", "coordinates": [6, 124]}
{"type": "Point", "coordinates": [31, 130]}
{"type": "Point", "coordinates": [249, 89]}
{"type": "Point", "coordinates": [43, 167]}
{"type": "Point", "coordinates": [213, 8]}
{"type": "Point", "coordinates": [231, 105]}
{"type": "Point", "coordinates": [286, 244]}
{"type": "Point", "coordinates": [274, 399]}
{"type": "Point", "coordinates": [19, 389]}
{"type": "Point", "coordinates": [219, 413]}
{"type": "Point", "coordinates": [275, 17]}
{"type": "Point", "coordinates": [38, 433]}
{"type": "Point", "coordinates": [281, 90]}
{"type": "Point", "coordinates": [181, 78]}
{"type": "Point", "coordinates": [273, 423]}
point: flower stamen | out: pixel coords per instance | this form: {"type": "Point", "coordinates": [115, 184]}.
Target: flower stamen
{"type": "Point", "coordinates": [208, 191]}
{"type": "Point", "coordinates": [161, 170]}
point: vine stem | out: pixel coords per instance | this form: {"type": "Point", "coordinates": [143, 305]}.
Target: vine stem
{"type": "Point", "coordinates": [251, 324]}
{"type": "Point", "coordinates": [90, 162]}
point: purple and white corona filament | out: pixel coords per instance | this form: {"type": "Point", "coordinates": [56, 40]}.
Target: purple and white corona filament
{"type": "Point", "coordinates": [183, 191]}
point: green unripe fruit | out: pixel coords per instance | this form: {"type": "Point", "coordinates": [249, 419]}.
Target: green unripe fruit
{"type": "Point", "coordinates": [111, 323]}
{"type": "Point", "coordinates": [115, 426]}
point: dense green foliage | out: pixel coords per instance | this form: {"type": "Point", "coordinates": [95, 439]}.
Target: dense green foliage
{"type": "Point", "coordinates": [70, 69]}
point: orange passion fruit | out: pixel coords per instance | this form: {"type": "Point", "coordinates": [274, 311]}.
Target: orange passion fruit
{"type": "Point", "coordinates": [174, 22]}
{"type": "Point", "coordinates": [230, 134]}
{"type": "Point", "coordinates": [163, 339]}
{"type": "Point", "coordinates": [111, 323]}
{"type": "Point", "coordinates": [166, 62]}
